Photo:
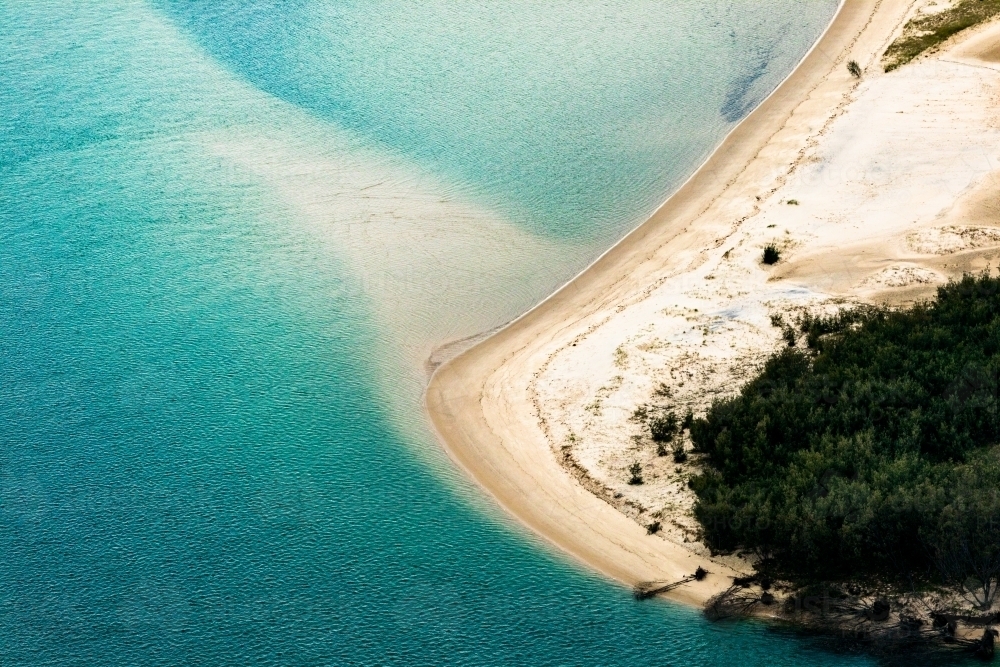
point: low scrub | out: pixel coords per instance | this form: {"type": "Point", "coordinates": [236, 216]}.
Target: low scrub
{"type": "Point", "coordinates": [635, 474]}
{"type": "Point", "coordinates": [771, 254]}
{"type": "Point", "coordinates": [664, 428]}
{"type": "Point", "coordinates": [872, 452]}
{"type": "Point", "coordinates": [926, 31]}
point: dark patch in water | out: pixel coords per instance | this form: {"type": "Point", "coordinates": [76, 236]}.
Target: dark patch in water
{"type": "Point", "coordinates": [744, 94]}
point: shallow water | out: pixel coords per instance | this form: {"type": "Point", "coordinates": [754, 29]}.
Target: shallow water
{"type": "Point", "coordinates": [228, 236]}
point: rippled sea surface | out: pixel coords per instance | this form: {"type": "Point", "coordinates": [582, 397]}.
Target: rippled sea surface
{"type": "Point", "coordinates": [231, 232]}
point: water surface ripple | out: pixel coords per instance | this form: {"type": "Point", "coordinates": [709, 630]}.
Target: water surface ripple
{"type": "Point", "coordinates": [222, 228]}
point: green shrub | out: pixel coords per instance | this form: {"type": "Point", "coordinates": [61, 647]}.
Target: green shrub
{"type": "Point", "coordinates": [688, 420]}
{"type": "Point", "coordinates": [925, 31]}
{"type": "Point", "coordinates": [788, 333]}
{"type": "Point", "coordinates": [664, 427]}
{"type": "Point", "coordinates": [771, 254]}
{"type": "Point", "coordinates": [635, 472]}
{"type": "Point", "coordinates": [871, 452]}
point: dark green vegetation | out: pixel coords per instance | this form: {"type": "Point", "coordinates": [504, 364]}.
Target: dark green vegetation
{"type": "Point", "coordinates": [871, 454]}
{"type": "Point", "coordinates": [635, 472]}
{"type": "Point", "coordinates": [771, 254]}
{"type": "Point", "coordinates": [926, 31]}
{"type": "Point", "coordinates": [664, 427]}
{"type": "Point", "coordinates": [854, 68]}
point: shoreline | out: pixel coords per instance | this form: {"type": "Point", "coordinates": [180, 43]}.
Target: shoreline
{"type": "Point", "coordinates": [480, 403]}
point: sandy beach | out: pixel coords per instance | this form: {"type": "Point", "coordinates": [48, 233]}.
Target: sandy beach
{"type": "Point", "coordinates": [875, 189]}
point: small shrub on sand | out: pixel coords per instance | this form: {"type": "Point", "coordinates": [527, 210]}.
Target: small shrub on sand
{"type": "Point", "coordinates": [664, 427]}
{"type": "Point", "coordinates": [653, 528]}
{"type": "Point", "coordinates": [926, 31]}
{"type": "Point", "coordinates": [771, 254]}
{"type": "Point", "coordinates": [788, 333]}
{"type": "Point", "coordinates": [635, 470]}
{"type": "Point", "coordinates": [854, 68]}
{"type": "Point", "coordinates": [680, 456]}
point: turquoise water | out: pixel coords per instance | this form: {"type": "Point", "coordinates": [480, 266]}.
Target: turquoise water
{"type": "Point", "coordinates": [560, 114]}
{"type": "Point", "coordinates": [211, 450]}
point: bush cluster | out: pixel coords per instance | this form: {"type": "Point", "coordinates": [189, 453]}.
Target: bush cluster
{"type": "Point", "coordinates": [870, 452]}
{"type": "Point", "coordinates": [925, 31]}
{"type": "Point", "coordinates": [664, 427]}
{"type": "Point", "coordinates": [771, 254]}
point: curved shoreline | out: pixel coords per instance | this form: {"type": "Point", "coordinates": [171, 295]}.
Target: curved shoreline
{"type": "Point", "coordinates": [479, 402]}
